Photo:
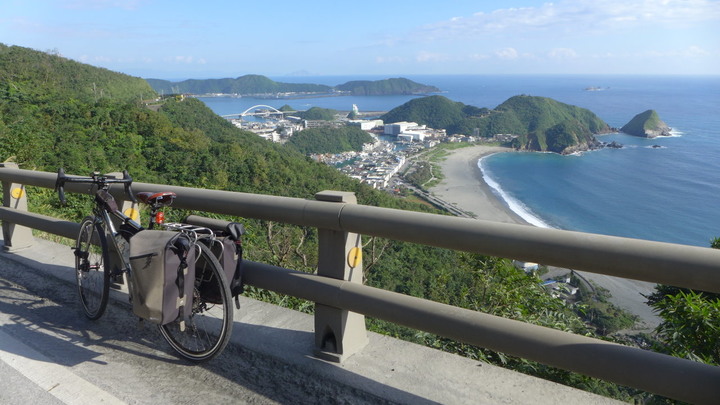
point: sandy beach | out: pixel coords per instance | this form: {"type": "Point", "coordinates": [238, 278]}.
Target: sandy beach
{"type": "Point", "coordinates": [463, 186]}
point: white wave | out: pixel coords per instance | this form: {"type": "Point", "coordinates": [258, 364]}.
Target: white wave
{"type": "Point", "coordinates": [516, 206]}
{"type": "Point", "coordinates": [675, 133]}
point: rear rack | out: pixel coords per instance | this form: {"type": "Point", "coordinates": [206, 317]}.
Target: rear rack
{"type": "Point", "coordinates": [190, 230]}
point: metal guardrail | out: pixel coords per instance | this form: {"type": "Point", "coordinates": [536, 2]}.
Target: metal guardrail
{"type": "Point", "coordinates": [336, 291]}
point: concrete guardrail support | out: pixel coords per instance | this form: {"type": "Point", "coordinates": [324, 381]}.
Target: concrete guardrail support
{"type": "Point", "coordinates": [16, 237]}
{"type": "Point", "coordinates": [339, 333]}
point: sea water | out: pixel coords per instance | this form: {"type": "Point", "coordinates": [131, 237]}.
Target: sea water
{"type": "Point", "coordinates": [663, 189]}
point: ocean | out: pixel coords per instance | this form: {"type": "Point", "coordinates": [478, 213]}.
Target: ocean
{"type": "Point", "coordinates": [662, 189]}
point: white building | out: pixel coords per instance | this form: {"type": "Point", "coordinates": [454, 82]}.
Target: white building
{"type": "Point", "coordinates": [366, 125]}
{"type": "Point", "coordinates": [397, 128]}
{"type": "Point", "coordinates": [413, 135]}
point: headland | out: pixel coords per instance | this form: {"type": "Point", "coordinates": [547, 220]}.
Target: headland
{"type": "Point", "coordinates": [464, 186]}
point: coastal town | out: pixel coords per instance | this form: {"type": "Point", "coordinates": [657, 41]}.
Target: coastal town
{"type": "Point", "coordinates": [393, 143]}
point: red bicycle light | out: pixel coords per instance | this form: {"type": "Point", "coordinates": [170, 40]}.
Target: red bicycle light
{"type": "Point", "coordinates": [160, 217]}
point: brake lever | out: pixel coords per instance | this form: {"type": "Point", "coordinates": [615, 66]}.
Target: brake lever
{"type": "Point", "coordinates": [59, 183]}
{"type": "Point", "coordinates": [128, 186]}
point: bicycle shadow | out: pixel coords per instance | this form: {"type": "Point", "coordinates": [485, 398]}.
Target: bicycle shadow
{"type": "Point", "coordinates": [43, 313]}
{"type": "Point", "coordinates": [39, 307]}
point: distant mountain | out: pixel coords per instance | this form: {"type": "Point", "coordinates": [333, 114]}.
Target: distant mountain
{"type": "Point", "coordinates": [386, 87]}
{"type": "Point", "coordinates": [647, 125]}
{"type": "Point", "coordinates": [258, 84]}
{"type": "Point", "coordinates": [248, 84]}
{"type": "Point", "coordinates": [538, 123]}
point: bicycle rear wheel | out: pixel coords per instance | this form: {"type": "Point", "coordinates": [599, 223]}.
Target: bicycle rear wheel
{"type": "Point", "coordinates": [91, 258]}
{"type": "Point", "coordinates": [209, 328]}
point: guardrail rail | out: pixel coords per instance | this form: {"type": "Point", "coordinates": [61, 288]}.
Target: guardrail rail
{"type": "Point", "coordinates": [342, 300]}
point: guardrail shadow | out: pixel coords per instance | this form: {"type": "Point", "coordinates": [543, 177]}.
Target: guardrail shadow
{"type": "Point", "coordinates": [39, 307]}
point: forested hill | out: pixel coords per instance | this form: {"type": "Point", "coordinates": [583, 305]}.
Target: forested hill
{"type": "Point", "coordinates": [545, 124]}
{"type": "Point", "coordinates": [539, 123]}
{"type": "Point", "coordinates": [27, 76]}
{"type": "Point", "coordinates": [55, 112]}
{"type": "Point", "coordinates": [329, 140]}
{"type": "Point", "coordinates": [257, 84]}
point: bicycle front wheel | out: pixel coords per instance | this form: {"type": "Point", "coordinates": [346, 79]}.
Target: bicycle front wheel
{"type": "Point", "coordinates": [91, 258]}
{"type": "Point", "coordinates": [209, 328]}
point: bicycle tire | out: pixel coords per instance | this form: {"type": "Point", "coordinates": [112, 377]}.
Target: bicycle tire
{"type": "Point", "coordinates": [208, 330]}
{"type": "Point", "coordinates": [91, 273]}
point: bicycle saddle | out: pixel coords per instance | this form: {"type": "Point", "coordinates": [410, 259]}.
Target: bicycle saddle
{"type": "Point", "coordinates": [161, 199]}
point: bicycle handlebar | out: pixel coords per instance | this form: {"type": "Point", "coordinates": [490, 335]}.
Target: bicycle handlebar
{"type": "Point", "coordinates": [96, 178]}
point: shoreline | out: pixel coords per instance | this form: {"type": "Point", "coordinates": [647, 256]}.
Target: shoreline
{"type": "Point", "coordinates": [463, 185]}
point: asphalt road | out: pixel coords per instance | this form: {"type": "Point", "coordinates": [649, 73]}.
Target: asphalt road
{"type": "Point", "coordinates": [50, 353]}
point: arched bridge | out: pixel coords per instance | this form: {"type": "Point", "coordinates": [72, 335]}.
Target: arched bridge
{"type": "Point", "coordinates": [260, 110]}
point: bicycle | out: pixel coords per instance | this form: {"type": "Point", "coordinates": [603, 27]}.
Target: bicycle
{"type": "Point", "coordinates": [102, 255]}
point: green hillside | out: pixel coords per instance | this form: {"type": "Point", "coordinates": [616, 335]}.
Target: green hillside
{"type": "Point", "coordinates": [318, 114]}
{"type": "Point", "coordinates": [248, 84]}
{"type": "Point", "coordinates": [27, 76]}
{"type": "Point", "coordinates": [540, 123]}
{"type": "Point", "coordinates": [329, 140]}
{"type": "Point", "coordinates": [433, 111]}
{"type": "Point", "coordinates": [547, 125]}
{"type": "Point", "coordinates": [59, 113]}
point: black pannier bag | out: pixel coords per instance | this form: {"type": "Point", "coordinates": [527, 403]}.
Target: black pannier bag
{"type": "Point", "coordinates": [163, 266]}
{"type": "Point", "coordinates": [227, 247]}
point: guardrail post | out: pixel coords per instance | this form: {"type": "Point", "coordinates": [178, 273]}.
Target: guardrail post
{"type": "Point", "coordinates": [339, 333]}
{"type": "Point", "coordinates": [16, 237]}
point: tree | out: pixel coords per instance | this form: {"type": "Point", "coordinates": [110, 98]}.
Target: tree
{"type": "Point", "coordinates": [691, 321]}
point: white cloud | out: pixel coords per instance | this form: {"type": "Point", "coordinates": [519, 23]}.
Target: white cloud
{"type": "Point", "coordinates": [577, 16]}
{"type": "Point", "coordinates": [696, 51]}
{"type": "Point", "coordinates": [562, 53]}
{"type": "Point", "coordinates": [185, 60]}
{"type": "Point", "coordinates": [424, 56]}
{"type": "Point", "coordinates": [478, 56]}
{"type": "Point", "coordinates": [507, 53]}
{"type": "Point", "coordinates": [102, 4]}
{"type": "Point", "coordinates": [693, 51]}
{"type": "Point", "coordinates": [389, 59]}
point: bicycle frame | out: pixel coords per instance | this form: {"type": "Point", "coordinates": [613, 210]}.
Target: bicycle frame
{"type": "Point", "coordinates": [120, 239]}
{"type": "Point", "coordinates": [104, 211]}
{"type": "Point", "coordinates": [197, 336]}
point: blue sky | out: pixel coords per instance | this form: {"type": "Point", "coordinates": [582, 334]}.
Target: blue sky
{"type": "Point", "coordinates": [229, 38]}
